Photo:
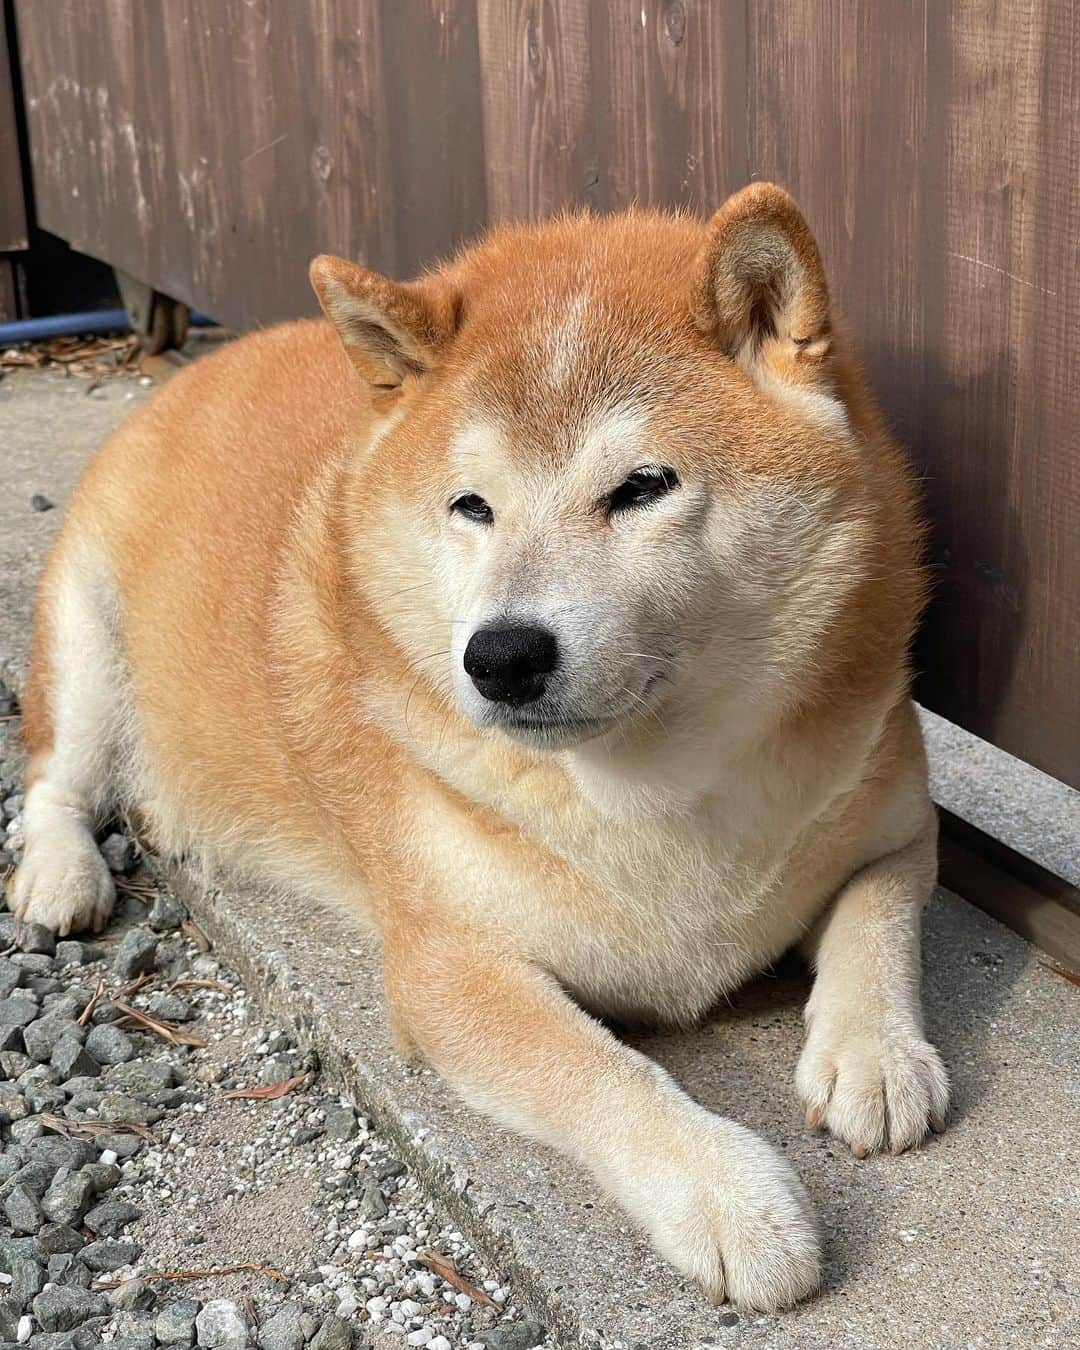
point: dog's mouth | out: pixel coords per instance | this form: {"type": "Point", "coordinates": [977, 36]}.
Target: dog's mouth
{"type": "Point", "coordinates": [553, 729]}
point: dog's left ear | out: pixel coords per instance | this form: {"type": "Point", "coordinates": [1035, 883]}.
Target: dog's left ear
{"type": "Point", "coordinates": [760, 290]}
{"type": "Point", "coordinates": [389, 329]}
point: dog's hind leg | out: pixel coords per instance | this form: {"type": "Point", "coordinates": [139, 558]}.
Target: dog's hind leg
{"type": "Point", "coordinates": [73, 714]}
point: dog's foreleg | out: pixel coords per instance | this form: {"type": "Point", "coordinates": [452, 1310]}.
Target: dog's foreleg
{"type": "Point", "coordinates": [72, 708]}
{"type": "Point", "coordinates": [867, 1071]}
{"type": "Point", "coordinates": [717, 1201]}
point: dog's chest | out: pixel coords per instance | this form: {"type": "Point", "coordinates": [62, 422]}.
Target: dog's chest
{"type": "Point", "coordinates": [669, 919]}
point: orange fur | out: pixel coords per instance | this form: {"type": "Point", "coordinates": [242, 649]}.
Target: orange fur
{"type": "Point", "coordinates": [291, 587]}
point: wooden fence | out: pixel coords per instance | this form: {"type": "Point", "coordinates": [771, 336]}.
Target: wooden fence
{"type": "Point", "coordinates": [210, 147]}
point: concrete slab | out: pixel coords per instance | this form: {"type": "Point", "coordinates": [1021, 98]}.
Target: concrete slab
{"type": "Point", "coordinates": [971, 1241]}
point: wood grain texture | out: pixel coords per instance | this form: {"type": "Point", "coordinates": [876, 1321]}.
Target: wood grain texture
{"type": "Point", "coordinates": [12, 206]}
{"type": "Point", "coordinates": [212, 146]}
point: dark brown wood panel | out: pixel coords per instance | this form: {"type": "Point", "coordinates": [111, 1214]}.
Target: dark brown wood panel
{"type": "Point", "coordinates": [12, 206]}
{"type": "Point", "coordinates": [1000, 436]}
{"type": "Point", "coordinates": [212, 146]}
{"type": "Point", "coordinates": [538, 117]}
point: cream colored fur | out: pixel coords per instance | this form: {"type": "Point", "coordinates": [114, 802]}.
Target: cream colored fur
{"type": "Point", "coordinates": [253, 631]}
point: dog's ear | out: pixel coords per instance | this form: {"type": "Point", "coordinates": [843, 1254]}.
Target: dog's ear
{"type": "Point", "coordinates": [760, 291]}
{"type": "Point", "coordinates": [389, 329]}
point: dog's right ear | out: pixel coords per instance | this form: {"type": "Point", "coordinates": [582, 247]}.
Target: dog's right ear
{"type": "Point", "coordinates": [390, 330]}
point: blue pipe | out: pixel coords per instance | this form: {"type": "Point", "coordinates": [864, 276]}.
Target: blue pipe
{"type": "Point", "coordinates": [78, 325]}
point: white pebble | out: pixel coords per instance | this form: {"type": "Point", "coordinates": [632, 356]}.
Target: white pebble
{"type": "Point", "coordinates": [108, 1156]}
{"type": "Point", "coordinates": [439, 1343]}
{"type": "Point", "coordinates": [25, 1330]}
{"type": "Point", "coordinates": [463, 1301]}
{"type": "Point", "coordinates": [421, 1337]}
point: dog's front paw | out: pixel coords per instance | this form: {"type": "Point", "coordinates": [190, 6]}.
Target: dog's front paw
{"type": "Point", "coordinates": [874, 1086]}
{"type": "Point", "coordinates": [64, 884]}
{"type": "Point", "coordinates": [735, 1218]}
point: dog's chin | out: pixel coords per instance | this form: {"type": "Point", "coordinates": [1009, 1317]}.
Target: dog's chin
{"type": "Point", "coordinates": [555, 733]}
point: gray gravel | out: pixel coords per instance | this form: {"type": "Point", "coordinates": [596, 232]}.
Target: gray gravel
{"type": "Point", "coordinates": [123, 1157]}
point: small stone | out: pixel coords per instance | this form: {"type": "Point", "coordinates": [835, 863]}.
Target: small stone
{"type": "Point", "coordinates": [70, 1004]}
{"type": "Point", "coordinates": [13, 1063]}
{"type": "Point", "coordinates": [340, 1122]}
{"type": "Point", "coordinates": [119, 852]}
{"type": "Point", "coordinates": [18, 1012]}
{"type": "Point", "coordinates": [35, 1176]}
{"type": "Point", "coordinates": [64, 1269]}
{"type": "Point", "coordinates": [35, 939]}
{"type": "Point", "coordinates": [67, 1199]}
{"type": "Point", "coordinates": [135, 955]}
{"type": "Point", "coordinates": [43, 1036]}
{"type": "Point", "coordinates": [390, 1169]}
{"type": "Point", "coordinates": [27, 1277]}
{"type": "Point", "coordinates": [33, 963]}
{"type": "Point", "coordinates": [64, 1308]}
{"type": "Point", "coordinates": [513, 1336]}
{"type": "Point", "coordinates": [23, 1210]}
{"type": "Point", "coordinates": [334, 1334]}
{"type": "Point", "coordinates": [12, 1103]}
{"type": "Point", "coordinates": [283, 1330]}
{"type": "Point", "coordinates": [120, 1145]}
{"type": "Point", "coordinates": [166, 912]}
{"type": "Point", "coordinates": [44, 986]}
{"type": "Point", "coordinates": [110, 1045]}
{"type": "Point", "coordinates": [56, 1238]}
{"type": "Point", "coordinates": [170, 1008]}
{"type": "Point", "coordinates": [56, 1152]}
{"type": "Point", "coordinates": [221, 1322]}
{"type": "Point", "coordinates": [143, 1075]}
{"type": "Point", "coordinates": [107, 1254]}
{"type": "Point", "coordinates": [103, 1175]}
{"type": "Point", "coordinates": [175, 1324]}
{"type": "Point", "coordinates": [11, 1037]}
{"type": "Point", "coordinates": [71, 1060]}
{"type": "Point", "coordinates": [24, 1131]}
{"type": "Point", "coordinates": [372, 1202]}
{"type": "Point", "coordinates": [39, 502]}
{"type": "Point", "coordinates": [71, 953]}
{"type": "Point", "coordinates": [309, 1325]}
{"type": "Point", "coordinates": [9, 1320]}
{"type": "Point", "coordinates": [729, 1319]}
{"type": "Point", "coordinates": [120, 1107]}
{"type": "Point", "coordinates": [111, 1217]}
{"type": "Point", "coordinates": [132, 1296]}
{"type": "Point", "coordinates": [10, 977]}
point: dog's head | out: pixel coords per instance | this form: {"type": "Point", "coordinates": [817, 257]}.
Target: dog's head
{"type": "Point", "coordinates": [623, 469]}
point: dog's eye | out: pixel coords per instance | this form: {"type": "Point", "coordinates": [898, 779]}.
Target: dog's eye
{"type": "Point", "coordinates": [473, 507]}
{"type": "Point", "coordinates": [642, 487]}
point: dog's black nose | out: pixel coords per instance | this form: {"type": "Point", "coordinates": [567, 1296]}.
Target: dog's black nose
{"type": "Point", "coordinates": [509, 663]}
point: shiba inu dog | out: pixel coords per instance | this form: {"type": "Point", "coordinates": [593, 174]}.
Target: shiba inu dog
{"type": "Point", "coordinates": [551, 612]}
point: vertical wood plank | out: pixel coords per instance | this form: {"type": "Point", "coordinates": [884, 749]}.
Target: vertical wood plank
{"type": "Point", "coordinates": [12, 206]}
{"type": "Point", "coordinates": [539, 137]}
{"type": "Point", "coordinates": [676, 101]}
